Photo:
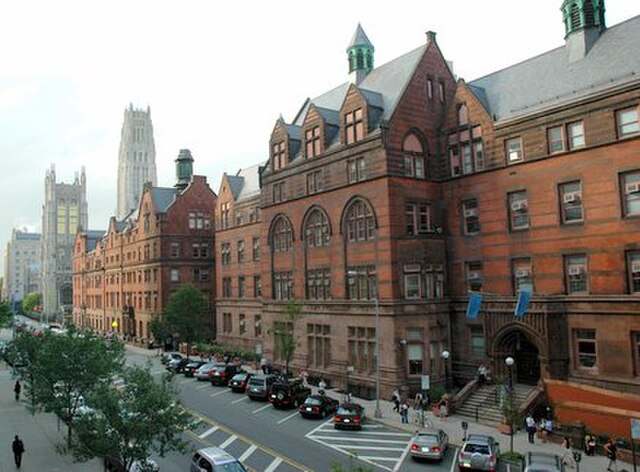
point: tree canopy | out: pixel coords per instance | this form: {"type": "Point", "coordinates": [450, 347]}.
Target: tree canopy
{"type": "Point", "coordinates": [30, 302]}
{"type": "Point", "coordinates": [5, 314]}
{"type": "Point", "coordinates": [184, 314]}
{"type": "Point", "coordinates": [283, 332]}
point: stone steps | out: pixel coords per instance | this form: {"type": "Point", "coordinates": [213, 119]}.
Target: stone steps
{"type": "Point", "coordinates": [483, 402]}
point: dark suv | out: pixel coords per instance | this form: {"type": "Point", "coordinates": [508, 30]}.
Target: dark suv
{"type": "Point", "coordinates": [259, 386]}
{"type": "Point", "coordinates": [222, 373]}
{"type": "Point", "coordinates": [291, 393]}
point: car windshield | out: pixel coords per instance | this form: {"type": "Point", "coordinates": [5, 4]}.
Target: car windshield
{"type": "Point", "coordinates": [239, 376]}
{"type": "Point", "coordinates": [347, 410]}
{"type": "Point", "coordinates": [477, 449]}
{"type": "Point", "coordinates": [312, 401]}
{"type": "Point", "coordinates": [428, 438]}
{"type": "Point", "coordinates": [193, 364]}
{"type": "Point", "coordinates": [205, 367]}
{"type": "Point", "coordinates": [229, 467]}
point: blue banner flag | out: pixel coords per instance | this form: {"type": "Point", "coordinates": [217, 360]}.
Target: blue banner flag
{"type": "Point", "coordinates": [524, 297]}
{"type": "Point", "coordinates": [473, 308]}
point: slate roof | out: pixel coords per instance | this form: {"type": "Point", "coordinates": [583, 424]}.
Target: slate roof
{"type": "Point", "coordinates": [93, 237]}
{"type": "Point", "coordinates": [235, 184]}
{"type": "Point", "coordinates": [163, 197]}
{"type": "Point", "coordinates": [550, 79]}
{"type": "Point", "coordinates": [251, 182]}
{"type": "Point", "coordinates": [359, 38]}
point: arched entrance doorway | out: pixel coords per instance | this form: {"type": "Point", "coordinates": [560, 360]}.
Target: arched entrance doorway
{"type": "Point", "coordinates": [517, 344]}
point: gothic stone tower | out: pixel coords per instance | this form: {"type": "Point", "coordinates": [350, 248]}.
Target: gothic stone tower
{"type": "Point", "coordinates": [63, 213]}
{"type": "Point", "coordinates": [136, 160]}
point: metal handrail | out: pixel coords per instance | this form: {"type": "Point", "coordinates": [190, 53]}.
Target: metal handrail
{"type": "Point", "coordinates": [492, 399]}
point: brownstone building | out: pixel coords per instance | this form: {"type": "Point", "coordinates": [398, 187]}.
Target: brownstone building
{"type": "Point", "coordinates": [123, 277]}
{"type": "Point", "coordinates": [389, 198]}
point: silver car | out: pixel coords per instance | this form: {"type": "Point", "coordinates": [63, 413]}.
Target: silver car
{"type": "Point", "coordinates": [204, 372]}
{"type": "Point", "coordinates": [479, 452]}
{"type": "Point", "coordinates": [214, 459]}
{"type": "Point", "coordinates": [429, 444]}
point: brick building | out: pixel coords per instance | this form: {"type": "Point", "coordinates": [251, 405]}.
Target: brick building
{"type": "Point", "coordinates": [124, 277]}
{"type": "Point", "coordinates": [400, 191]}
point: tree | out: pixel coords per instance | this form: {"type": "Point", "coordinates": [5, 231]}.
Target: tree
{"type": "Point", "coordinates": [67, 369]}
{"type": "Point", "coordinates": [184, 314]}
{"type": "Point", "coordinates": [5, 314]}
{"type": "Point", "coordinates": [133, 421]}
{"type": "Point", "coordinates": [30, 302]}
{"type": "Point", "coordinates": [284, 333]}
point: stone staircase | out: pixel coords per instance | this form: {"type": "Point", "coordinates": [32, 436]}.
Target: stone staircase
{"type": "Point", "coordinates": [485, 403]}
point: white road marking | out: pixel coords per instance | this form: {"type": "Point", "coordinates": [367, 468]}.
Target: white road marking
{"type": "Point", "coordinates": [239, 400]}
{"type": "Point", "coordinates": [200, 387]}
{"type": "Point", "coordinates": [367, 433]}
{"type": "Point", "coordinates": [276, 462]}
{"type": "Point", "coordinates": [288, 417]}
{"type": "Point", "coordinates": [247, 453]}
{"type": "Point", "coordinates": [454, 462]}
{"type": "Point", "coordinates": [378, 458]}
{"type": "Point", "coordinates": [261, 408]}
{"type": "Point", "coordinates": [310, 433]}
{"type": "Point", "coordinates": [358, 439]}
{"type": "Point", "coordinates": [402, 457]}
{"type": "Point", "coordinates": [208, 432]}
{"type": "Point", "coordinates": [229, 440]}
{"type": "Point", "coordinates": [219, 393]}
{"type": "Point", "coordinates": [349, 447]}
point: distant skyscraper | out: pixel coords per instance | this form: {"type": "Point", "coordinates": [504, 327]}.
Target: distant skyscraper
{"type": "Point", "coordinates": [22, 265]}
{"type": "Point", "coordinates": [63, 213]}
{"type": "Point", "coordinates": [136, 160]}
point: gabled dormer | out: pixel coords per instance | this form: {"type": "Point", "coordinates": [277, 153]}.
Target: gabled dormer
{"type": "Point", "coordinates": [283, 145]}
{"type": "Point", "coordinates": [360, 113]}
{"type": "Point", "coordinates": [320, 127]}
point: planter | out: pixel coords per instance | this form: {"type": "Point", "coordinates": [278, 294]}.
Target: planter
{"type": "Point", "coordinates": [506, 428]}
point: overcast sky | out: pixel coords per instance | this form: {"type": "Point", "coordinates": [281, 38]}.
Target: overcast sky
{"type": "Point", "coordinates": [216, 75]}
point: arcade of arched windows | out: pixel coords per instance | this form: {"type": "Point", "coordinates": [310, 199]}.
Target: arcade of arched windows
{"type": "Point", "coordinates": [316, 229]}
{"type": "Point", "coordinates": [360, 224]}
{"type": "Point", "coordinates": [281, 235]}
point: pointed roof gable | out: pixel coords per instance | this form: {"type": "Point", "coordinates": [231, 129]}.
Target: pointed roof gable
{"type": "Point", "coordinates": [551, 79]}
{"type": "Point", "coordinates": [359, 38]}
{"type": "Point", "coordinates": [251, 181]}
{"type": "Point", "coordinates": [162, 198]}
{"type": "Point", "coordinates": [235, 185]}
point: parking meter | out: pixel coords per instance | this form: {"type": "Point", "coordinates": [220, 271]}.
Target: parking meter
{"type": "Point", "coordinates": [465, 427]}
{"type": "Point", "coordinates": [577, 456]}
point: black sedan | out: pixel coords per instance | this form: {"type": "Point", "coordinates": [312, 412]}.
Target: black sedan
{"type": "Point", "coordinates": [238, 382]}
{"type": "Point", "coordinates": [190, 369]}
{"type": "Point", "coordinates": [318, 406]}
{"type": "Point", "coordinates": [349, 416]}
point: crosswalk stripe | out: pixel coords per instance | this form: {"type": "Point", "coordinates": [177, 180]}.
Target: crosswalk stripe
{"type": "Point", "coordinates": [276, 462]}
{"type": "Point", "coordinates": [372, 448]}
{"type": "Point", "coordinates": [378, 458]}
{"type": "Point", "coordinates": [208, 432]}
{"type": "Point", "coordinates": [363, 434]}
{"type": "Point", "coordinates": [356, 439]}
{"type": "Point", "coordinates": [228, 441]}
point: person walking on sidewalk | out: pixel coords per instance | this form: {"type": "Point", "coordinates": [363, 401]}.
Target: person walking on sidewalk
{"type": "Point", "coordinates": [567, 452]}
{"type": "Point", "coordinates": [17, 388]}
{"type": "Point", "coordinates": [18, 450]}
{"type": "Point", "coordinates": [530, 423]}
{"type": "Point", "coordinates": [611, 450]}
{"type": "Point", "coordinates": [404, 413]}
{"type": "Point", "coordinates": [395, 398]}
{"type": "Point", "coordinates": [322, 386]}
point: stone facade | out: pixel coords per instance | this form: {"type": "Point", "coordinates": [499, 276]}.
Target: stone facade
{"type": "Point", "coordinates": [64, 212]}
{"type": "Point", "coordinates": [136, 159]}
{"type": "Point", "coordinates": [22, 265]}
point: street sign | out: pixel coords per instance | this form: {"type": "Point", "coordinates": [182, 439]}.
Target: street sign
{"type": "Point", "coordinates": [635, 428]}
{"type": "Point", "coordinates": [114, 324]}
{"type": "Point", "coordinates": [425, 383]}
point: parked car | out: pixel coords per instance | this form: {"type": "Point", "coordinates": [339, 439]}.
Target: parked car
{"type": "Point", "coordinates": [114, 464]}
{"type": "Point", "coordinates": [259, 386]}
{"type": "Point", "coordinates": [349, 416]}
{"type": "Point", "coordinates": [429, 444]}
{"type": "Point", "coordinates": [214, 459]}
{"type": "Point", "coordinates": [168, 356]}
{"type": "Point", "coordinates": [290, 393]}
{"type": "Point", "coordinates": [222, 373]}
{"type": "Point", "coordinates": [479, 452]}
{"type": "Point", "coordinates": [318, 406]}
{"type": "Point", "coordinates": [542, 462]}
{"type": "Point", "coordinates": [191, 367]}
{"type": "Point", "coordinates": [177, 365]}
{"type": "Point", "coordinates": [238, 382]}
{"type": "Point", "coordinates": [204, 371]}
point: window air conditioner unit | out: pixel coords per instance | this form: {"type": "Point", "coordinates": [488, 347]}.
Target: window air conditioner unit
{"type": "Point", "coordinates": [428, 267]}
{"type": "Point", "coordinates": [575, 270]}
{"type": "Point", "coordinates": [522, 273]}
{"type": "Point", "coordinates": [519, 206]}
{"type": "Point", "coordinates": [635, 267]}
{"type": "Point", "coordinates": [571, 197]}
{"type": "Point", "coordinates": [327, 282]}
{"type": "Point", "coordinates": [633, 187]}
{"type": "Point", "coordinates": [474, 275]}
{"type": "Point", "coordinates": [470, 212]}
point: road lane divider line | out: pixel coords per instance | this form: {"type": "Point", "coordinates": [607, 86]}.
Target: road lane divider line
{"type": "Point", "coordinates": [239, 400]}
{"type": "Point", "coordinates": [276, 462]}
{"type": "Point", "coordinates": [261, 408]}
{"type": "Point", "coordinates": [267, 450]}
{"type": "Point", "coordinates": [245, 455]}
{"type": "Point", "coordinates": [396, 468]}
{"type": "Point", "coordinates": [286, 418]}
{"type": "Point", "coordinates": [228, 441]}
{"type": "Point", "coordinates": [454, 462]}
{"type": "Point", "coordinates": [211, 430]}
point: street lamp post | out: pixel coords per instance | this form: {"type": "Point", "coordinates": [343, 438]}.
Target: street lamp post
{"type": "Point", "coordinates": [510, 361]}
{"type": "Point", "coordinates": [377, 413]}
{"type": "Point", "coordinates": [445, 357]}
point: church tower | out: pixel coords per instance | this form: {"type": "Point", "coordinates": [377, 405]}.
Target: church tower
{"type": "Point", "coordinates": [136, 159]}
{"type": "Point", "coordinates": [360, 55]}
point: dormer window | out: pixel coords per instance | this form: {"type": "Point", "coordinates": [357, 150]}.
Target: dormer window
{"type": "Point", "coordinates": [354, 126]}
{"type": "Point", "coordinates": [279, 155]}
{"type": "Point", "coordinates": [312, 142]}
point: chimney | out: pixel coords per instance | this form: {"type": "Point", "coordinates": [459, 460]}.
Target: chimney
{"type": "Point", "coordinates": [431, 37]}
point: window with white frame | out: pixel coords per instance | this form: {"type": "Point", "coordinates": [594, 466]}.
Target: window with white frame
{"type": "Point", "coordinates": [470, 219]}
{"type": "Point", "coordinates": [226, 287]}
{"type": "Point", "coordinates": [282, 236]}
{"type": "Point", "coordinates": [522, 271]}
{"type": "Point", "coordinates": [360, 222]}
{"type": "Point", "coordinates": [256, 249]}
{"type": "Point", "coordinates": [513, 149]}
{"type": "Point", "coordinates": [240, 250]}
{"type": "Point", "coordinates": [415, 352]}
{"type": "Point", "coordinates": [473, 270]}
{"type": "Point", "coordinates": [283, 285]}
{"type": "Point", "coordinates": [575, 132]}
{"type": "Point", "coordinates": [413, 157]}
{"type": "Point", "coordinates": [555, 139]}
{"type": "Point", "coordinates": [571, 202]}
{"type": "Point", "coordinates": [627, 121]}
{"type": "Point", "coordinates": [630, 187]}
{"type": "Point", "coordinates": [418, 218]}
{"type": "Point", "coordinates": [242, 287]}
{"type": "Point", "coordinates": [316, 230]}
{"type": "Point", "coordinates": [412, 281]}
{"type": "Point", "coordinates": [466, 150]}
{"type": "Point", "coordinates": [362, 283]}
{"type": "Point", "coordinates": [433, 275]}
{"type": "Point", "coordinates": [356, 170]}
{"type": "Point", "coordinates": [633, 270]}
{"type": "Point", "coordinates": [225, 253]}
{"type": "Point", "coordinates": [174, 250]}
{"type": "Point", "coordinates": [576, 273]}
{"type": "Point", "coordinates": [585, 348]}
{"type": "Point", "coordinates": [319, 284]}
{"type": "Point", "coordinates": [175, 275]}
{"type": "Point", "coordinates": [518, 210]}
{"type": "Point", "coordinates": [257, 286]}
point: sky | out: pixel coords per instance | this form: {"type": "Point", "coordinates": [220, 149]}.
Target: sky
{"type": "Point", "coordinates": [217, 75]}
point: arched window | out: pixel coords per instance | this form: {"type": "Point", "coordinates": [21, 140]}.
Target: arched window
{"type": "Point", "coordinates": [463, 115]}
{"type": "Point", "coordinates": [282, 236]}
{"type": "Point", "coordinates": [316, 230]}
{"type": "Point", "coordinates": [413, 157]}
{"type": "Point", "coordinates": [360, 222]}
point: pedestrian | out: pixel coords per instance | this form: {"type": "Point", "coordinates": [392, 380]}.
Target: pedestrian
{"type": "Point", "coordinates": [263, 365]}
{"type": "Point", "coordinates": [17, 388]}
{"type": "Point", "coordinates": [567, 452]}
{"type": "Point", "coordinates": [530, 424]}
{"type": "Point", "coordinates": [590, 445]}
{"type": "Point", "coordinates": [417, 401]}
{"type": "Point", "coordinates": [322, 385]}
{"type": "Point", "coordinates": [611, 450]}
{"type": "Point", "coordinates": [395, 398]}
{"type": "Point", "coordinates": [482, 374]}
{"type": "Point", "coordinates": [18, 450]}
{"type": "Point", "coordinates": [404, 413]}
